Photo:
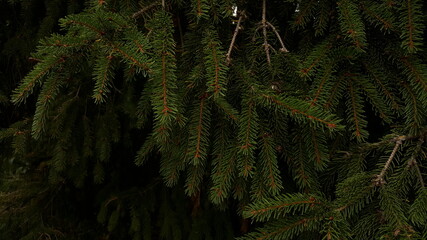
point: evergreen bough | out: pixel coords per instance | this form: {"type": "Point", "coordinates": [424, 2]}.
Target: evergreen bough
{"type": "Point", "coordinates": [313, 123]}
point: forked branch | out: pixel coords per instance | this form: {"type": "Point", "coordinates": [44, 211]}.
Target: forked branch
{"type": "Point", "coordinates": [264, 25]}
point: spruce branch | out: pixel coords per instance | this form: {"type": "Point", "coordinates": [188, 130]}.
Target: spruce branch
{"type": "Point", "coordinates": [198, 151]}
{"type": "Point", "coordinates": [297, 107]}
{"type": "Point", "coordinates": [379, 180]}
{"type": "Point", "coordinates": [285, 228]}
{"type": "Point", "coordinates": [133, 58]}
{"type": "Point", "coordinates": [35, 77]}
{"type": "Point", "coordinates": [412, 25]}
{"type": "Point", "coordinates": [233, 40]}
{"type": "Point", "coordinates": [380, 18]}
{"type": "Point", "coordinates": [216, 67]}
{"type": "Point", "coordinates": [280, 206]}
{"type": "Point", "coordinates": [86, 25]}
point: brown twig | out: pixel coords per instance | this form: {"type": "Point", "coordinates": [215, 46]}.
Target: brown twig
{"type": "Point", "coordinates": [264, 24]}
{"type": "Point", "coordinates": [283, 48]}
{"type": "Point", "coordinates": [413, 162]}
{"type": "Point", "coordinates": [379, 180]}
{"type": "Point", "coordinates": [264, 31]}
{"type": "Point", "coordinates": [34, 59]}
{"type": "Point", "coordinates": [419, 174]}
{"type": "Point", "coordinates": [143, 10]}
{"type": "Point", "coordinates": [233, 40]}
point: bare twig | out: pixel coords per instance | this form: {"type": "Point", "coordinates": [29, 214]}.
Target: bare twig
{"type": "Point", "coordinates": [379, 181]}
{"type": "Point", "coordinates": [256, 30]}
{"type": "Point", "coordinates": [413, 162]}
{"type": "Point", "coordinates": [264, 31]}
{"type": "Point", "coordinates": [283, 48]}
{"type": "Point", "coordinates": [233, 40]}
{"type": "Point", "coordinates": [264, 25]}
{"type": "Point", "coordinates": [34, 59]}
{"type": "Point", "coordinates": [143, 10]}
{"type": "Point", "coordinates": [77, 93]}
{"type": "Point", "coordinates": [419, 174]}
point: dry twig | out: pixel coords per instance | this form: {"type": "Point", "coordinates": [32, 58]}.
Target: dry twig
{"type": "Point", "coordinates": [264, 25]}
{"type": "Point", "coordinates": [283, 48]}
{"type": "Point", "coordinates": [413, 162]}
{"type": "Point", "coordinates": [379, 180]}
{"type": "Point", "coordinates": [233, 40]}
{"type": "Point", "coordinates": [143, 10]}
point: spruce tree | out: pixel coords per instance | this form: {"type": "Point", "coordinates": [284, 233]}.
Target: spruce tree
{"type": "Point", "coordinates": [219, 119]}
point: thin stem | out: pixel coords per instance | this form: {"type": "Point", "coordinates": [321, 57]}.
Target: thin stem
{"type": "Point", "coordinates": [379, 181]}
{"type": "Point", "coordinates": [256, 30]}
{"type": "Point", "coordinates": [143, 10]}
{"type": "Point", "coordinates": [264, 31]}
{"type": "Point", "coordinates": [233, 40]}
{"type": "Point", "coordinates": [283, 48]}
{"type": "Point", "coordinates": [413, 162]}
{"type": "Point", "coordinates": [419, 174]}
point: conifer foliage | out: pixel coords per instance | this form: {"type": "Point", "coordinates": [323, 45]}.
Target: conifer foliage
{"type": "Point", "coordinates": [219, 119]}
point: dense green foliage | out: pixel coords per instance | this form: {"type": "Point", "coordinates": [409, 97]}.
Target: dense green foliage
{"type": "Point", "coordinates": [213, 119]}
